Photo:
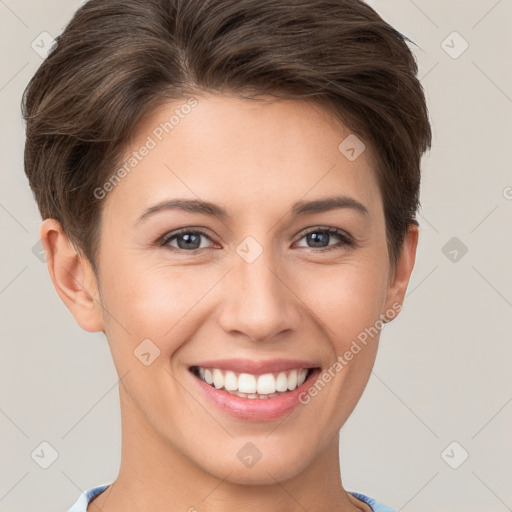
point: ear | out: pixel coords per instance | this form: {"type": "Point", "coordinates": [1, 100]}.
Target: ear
{"type": "Point", "coordinates": [72, 276]}
{"type": "Point", "coordinates": [399, 279]}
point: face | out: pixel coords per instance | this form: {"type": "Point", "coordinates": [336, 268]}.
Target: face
{"type": "Point", "coordinates": [269, 277]}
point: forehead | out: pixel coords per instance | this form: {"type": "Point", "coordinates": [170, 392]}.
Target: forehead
{"type": "Point", "coordinates": [245, 153]}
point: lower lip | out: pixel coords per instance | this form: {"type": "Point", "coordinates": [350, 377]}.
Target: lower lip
{"type": "Point", "coordinates": [255, 409]}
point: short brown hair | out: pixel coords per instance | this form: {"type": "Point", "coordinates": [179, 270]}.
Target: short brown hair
{"type": "Point", "coordinates": [118, 59]}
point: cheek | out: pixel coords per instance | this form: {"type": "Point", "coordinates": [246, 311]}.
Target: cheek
{"type": "Point", "coordinates": [156, 303]}
{"type": "Point", "coordinates": [346, 299]}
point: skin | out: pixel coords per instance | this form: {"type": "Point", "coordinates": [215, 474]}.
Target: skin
{"type": "Point", "coordinates": [296, 300]}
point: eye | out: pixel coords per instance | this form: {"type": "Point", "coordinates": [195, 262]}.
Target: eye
{"type": "Point", "coordinates": [320, 237]}
{"type": "Point", "coordinates": [186, 239]}
{"type": "Point", "coordinates": [191, 240]}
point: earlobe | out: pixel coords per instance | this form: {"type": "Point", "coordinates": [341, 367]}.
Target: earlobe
{"type": "Point", "coordinates": [402, 274]}
{"type": "Point", "coordinates": [72, 276]}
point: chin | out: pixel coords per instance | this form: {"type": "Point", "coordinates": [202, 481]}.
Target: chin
{"type": "Point", "coordinates": [266, 471]}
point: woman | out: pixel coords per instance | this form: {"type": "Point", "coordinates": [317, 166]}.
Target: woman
{"type": "Point", "coordinates": [229, 191]}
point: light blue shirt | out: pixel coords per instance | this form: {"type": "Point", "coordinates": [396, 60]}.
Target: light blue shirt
{"type": "Point", "coordinates": [81, 503]}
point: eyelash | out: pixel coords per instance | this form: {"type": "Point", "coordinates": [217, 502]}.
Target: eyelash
{"type": "Point", "coordinates": [346, 240]}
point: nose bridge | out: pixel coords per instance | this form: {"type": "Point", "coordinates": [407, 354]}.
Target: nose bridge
{"type": "Point", "coordinates": [256, 301]}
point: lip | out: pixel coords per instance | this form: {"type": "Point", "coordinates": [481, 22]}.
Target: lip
{"type": "Point", "coordinates": [257, 367]}
{"type": "Point", "coordinates": [254, 409]}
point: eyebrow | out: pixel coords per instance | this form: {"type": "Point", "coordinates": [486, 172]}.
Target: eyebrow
{"type": "Point", "coordinates": [298, 209]}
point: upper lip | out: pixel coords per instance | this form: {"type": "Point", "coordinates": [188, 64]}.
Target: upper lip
{"type": "Point", "coordinates": [256, 367]}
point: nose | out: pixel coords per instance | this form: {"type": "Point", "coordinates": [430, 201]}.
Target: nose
{"type": "Point", "coordinates": [257, 301]}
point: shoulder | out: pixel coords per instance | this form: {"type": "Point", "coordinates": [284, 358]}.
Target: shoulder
{"type": "Point", "coordinates": [374, 504]}
{"type": "Point", "coordinates": [83, 500]}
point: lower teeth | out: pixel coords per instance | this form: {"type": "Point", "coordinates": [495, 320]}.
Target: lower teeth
{"type": "Point", "coordinates": [255, 395]}
{"type": "Point", "coordinates": [252, 395]}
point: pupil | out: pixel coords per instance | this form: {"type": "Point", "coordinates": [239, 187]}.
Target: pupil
{"type": "Point", "coordinates": [190, 240]}
{"type": "Point", "coordinates": [318, 238]}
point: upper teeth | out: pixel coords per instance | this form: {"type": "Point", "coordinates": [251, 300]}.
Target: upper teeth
{"type": "Point", "coordinates": [265, 384]}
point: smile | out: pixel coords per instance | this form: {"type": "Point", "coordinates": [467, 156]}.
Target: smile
{"type": "Point", "coordinates": [247, 385]}
{"type": "Point", "coordinates": [251, 390]}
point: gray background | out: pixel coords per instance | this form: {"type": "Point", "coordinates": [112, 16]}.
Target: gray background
{"type": "Point", "coordinates": [443, 368]}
